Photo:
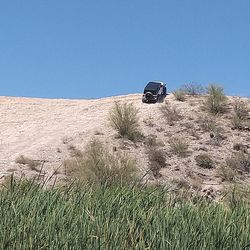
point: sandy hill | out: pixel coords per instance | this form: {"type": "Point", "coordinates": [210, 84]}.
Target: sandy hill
{"type": "Point", "coordinates": [44, 129]}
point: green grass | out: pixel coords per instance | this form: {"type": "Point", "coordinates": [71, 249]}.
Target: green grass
{"type": "Point", "coordinates": [116, 218]}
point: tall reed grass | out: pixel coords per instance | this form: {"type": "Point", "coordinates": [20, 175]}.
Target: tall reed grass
{"type": "Point", "coordinates": [116, 218]}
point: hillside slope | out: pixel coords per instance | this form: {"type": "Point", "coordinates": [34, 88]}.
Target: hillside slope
{"type": "Point", "coordinates": [44, 129]}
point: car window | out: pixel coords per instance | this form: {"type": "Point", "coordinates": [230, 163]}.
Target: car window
{"type": "Point", "coordinates": [153, 85]}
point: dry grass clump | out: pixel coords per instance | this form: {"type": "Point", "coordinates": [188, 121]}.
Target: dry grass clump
{"type": "Point", "coordinates": [241, 110]}
{"type": "Point", "coordinates": [179, 146]}
{"type": "Point", "coordinates": [170, 113]}
{"type": "Point", "coordinates": [74, 152]}
{"type": "Point", "coordinates": [181, 183]}
{"type": "Point", "coordinates": [239, 161]}
{"type": "Point", "coordinates": [240, 118]}
{"type": "Point", "coordinates": [149, 121]}
{"type": "Point", "coordinates": [227, 173]}
{"type": "Point", "coordinates": [217, 136]}
{"type": "Point", "coordinates": [99, 166]}
{"type": "Point", "coordinates": [237, 193]}
{"type": "Point", "coordinates": [204, 160]}
{"type": "Point", "coordinates": [207, 123]}
{"type": "Point", "coordinates": [179, 95]}
{"type": "Point", "coordinates": [194, 133]}
{"type": "Point", "coordinates": [157, 161]}
{"type": "Point", "coordinates": [124, 118]}
{"type": "Point", "coordinates": [216, 100]}
{"type": "Point", "coordinates": [196, 182]}
{"type": "Point", "coordinates": [193, 89]}
{"type": "Point", "coordinates": [32, 164]}
{"type": "Point", "coordinates": [240, 147]}
{"type": "Point", "coordinates": [152, 141]}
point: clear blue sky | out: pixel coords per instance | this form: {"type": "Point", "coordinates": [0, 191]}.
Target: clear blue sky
{"type": "Point", "coordinates": [95, 48]}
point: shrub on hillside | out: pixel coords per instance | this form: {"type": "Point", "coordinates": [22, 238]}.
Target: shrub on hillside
{"type": "Point", "coordinates": [216, 100]}
{"type": "Point", "coordinates": [227, 173]}
{"type": "Point", "coordinates": [240, 147]}
{"type": "Point", "coordinates": [239, 161]}
{"type": "Point", "coordinates": [74, 152]}
{"type": "Point", "coordinates": [236, 194]}
{"type": "Point", "coordinates": [152, 141]}
{"type": "Point", "coordinates": [179, 95]}
{"type": "Point", "coordinates": [170, 113]}
{"type": "Point", "coordinates": [240, 115]}
{"type": "Point", "coordinates": [207, 123]}
{"type": "Point", "coordinates": [99, 166]}
{"type": "Point", "coordinates": [193, 89]}
{"type": "Point", "coordinates": [178, 146]}
{"type": "Point", "coordinates": [204, 161]}
{"type": "Point", "coordinates": [181, 183]}
{"type": "Point", "coordinates": [124, 118]}
{"type": "Point", "coordinates": [157, 161]}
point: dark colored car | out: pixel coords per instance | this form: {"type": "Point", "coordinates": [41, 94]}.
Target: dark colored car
{"type": "Point", "coordinates": [154, 92]}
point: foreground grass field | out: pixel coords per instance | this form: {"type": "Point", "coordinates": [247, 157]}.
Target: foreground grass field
{"type": "Point", "coordinates": [116, 218]}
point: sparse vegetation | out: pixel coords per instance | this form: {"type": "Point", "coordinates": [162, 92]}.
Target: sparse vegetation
{"type": "Point", "coordinates": [217, 136]}
{"type": "Point", "coordinates": [216, 100]}
{"type": "Point", "coordinates": [157, 161]}
{"type": "Point", "coordinates": [179, 95]}
{"type": "Point", "coordinates": [179, 146]}
{"type": "Point", "coordinates": [151, 141]}
{"type": "Point", "coordinates": [124, 118]}
{"type": "Point", "coordinates": [96, 165]}
{"type": "Point", "coordinates": [239, 162]}
{"type": "Point", "coordinates": [227, 173]}
{"type": "Point", "coordinates": [74, 152]}
{"type": "Point", "coordinates": [207, 123]}
{"type": "Point", "coordinates": [193, 89]}
{"type": "Point", "coordinates": [236, 194]}
{"type": "Point", "coordinates": [240, 147]}
{"type": "Point", "coordinates": [32, 164]}
{"type": "Point", "coordinates": [181, 183]}
{"type": "Point", "coordinates": [196, 182]}
{"type": "Point", "coordinates": [237, 123]}
{"type": "Point", "coordinates": [149, 121]}
{"type": "Point", "coordinates": [241, 110]}
{"type": "Point", "coordinates": [204, 160]}
{"type": "Point", "coordinates": [194, 134]}
{"type": "Point", "coordinates": [240, 116]}
{"type": "Point", "coordinates": [170, 113]}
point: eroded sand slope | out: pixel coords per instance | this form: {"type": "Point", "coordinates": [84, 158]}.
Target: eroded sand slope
{"type": "Point", "coordinates": [43, 129]}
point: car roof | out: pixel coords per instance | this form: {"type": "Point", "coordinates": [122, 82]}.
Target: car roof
{"type": "Point", "coordinates": [153, 85]}
{"type": "Point", "coordinates": [156, 82]}
{"type": "Point", "coordinates": [160, 82]}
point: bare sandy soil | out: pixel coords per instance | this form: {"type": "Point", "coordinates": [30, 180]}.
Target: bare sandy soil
{"type": "Point", "coordinates": [43, 129]}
